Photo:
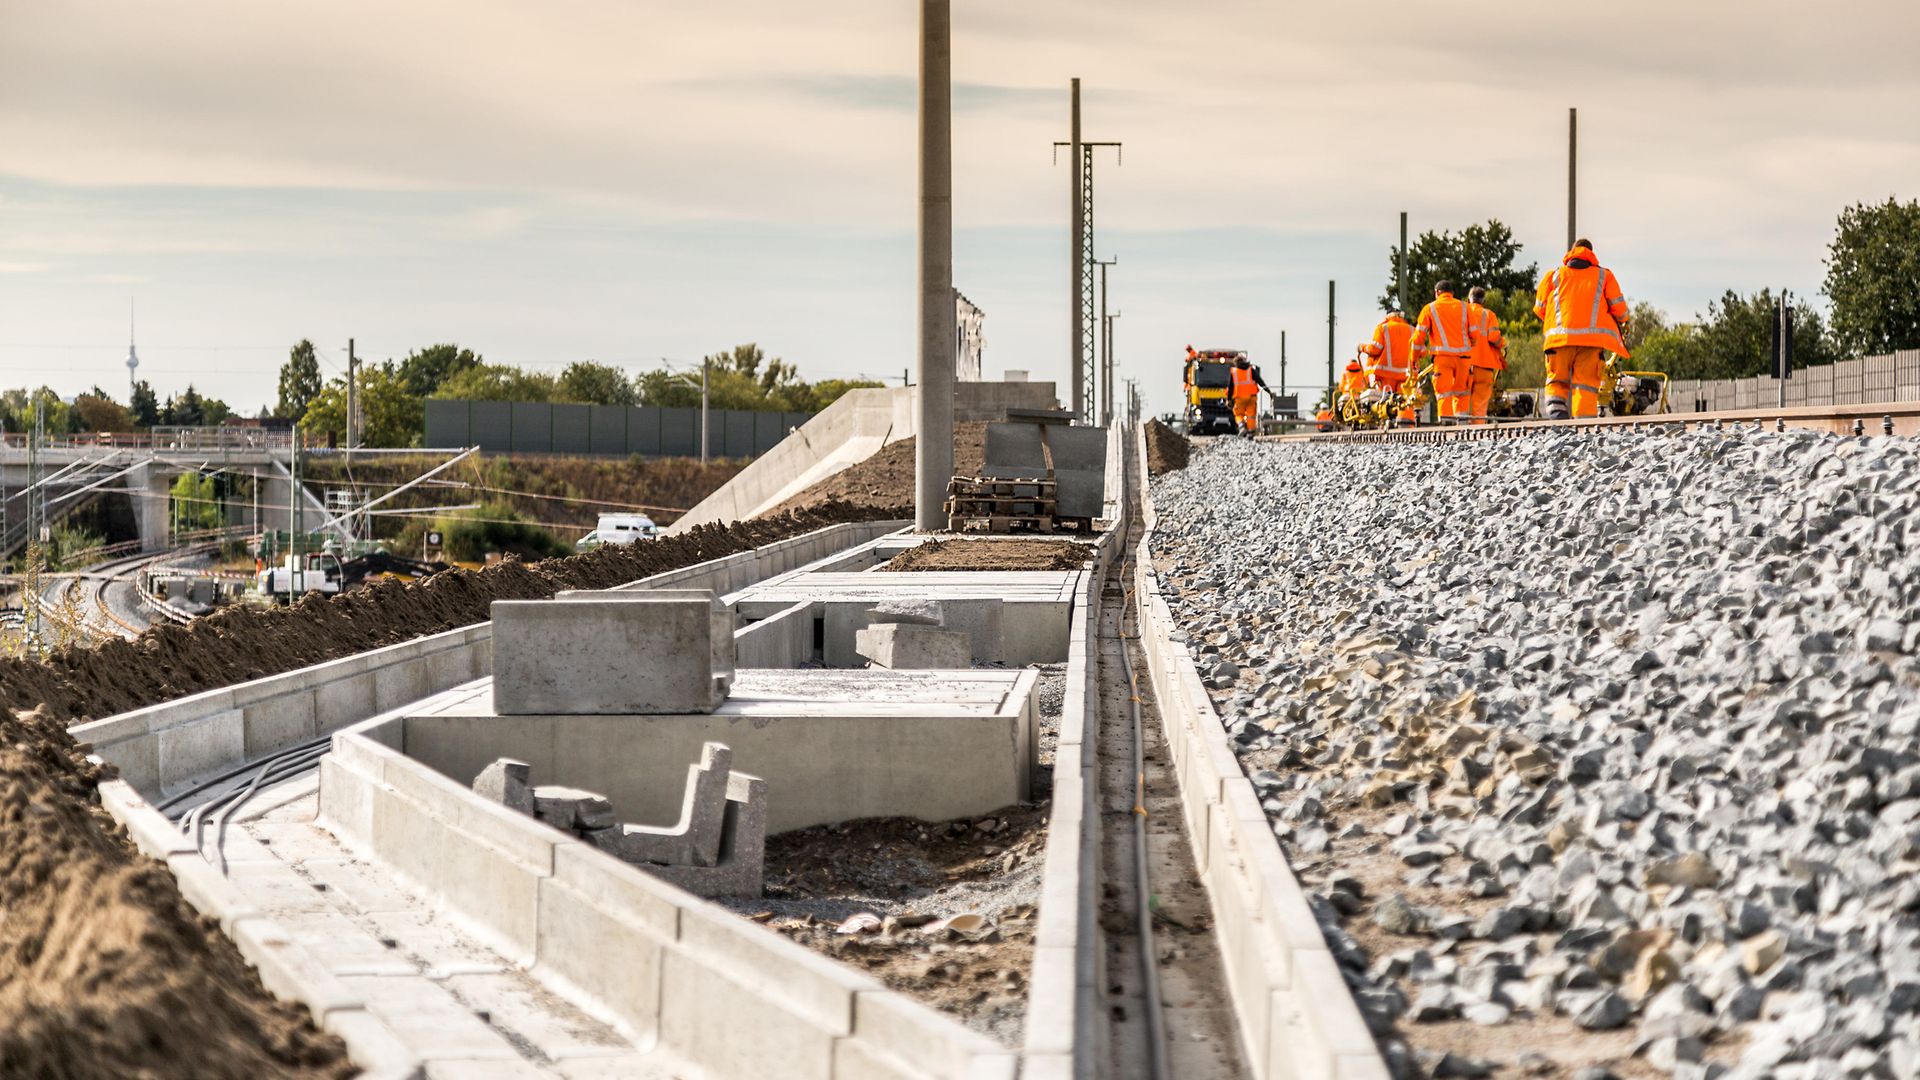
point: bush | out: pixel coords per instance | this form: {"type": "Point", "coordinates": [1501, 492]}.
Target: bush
{"type": "Point", "coordinates": [472, 535]}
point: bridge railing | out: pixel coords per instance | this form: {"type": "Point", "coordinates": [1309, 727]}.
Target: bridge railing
{"type": "Point", "coordinates": [167, 438]}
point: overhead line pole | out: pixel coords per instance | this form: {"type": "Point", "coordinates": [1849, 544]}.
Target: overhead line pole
{"type": "Point", "coordinates": [933, 449]}
{"type": "Point", "coordinates": [1103, 368]}
{"type": "Point", "coordinates": [1078, 266]}
{"type": "Point", "coordinates": [1573, 168]}
{"type": "Point", "coordinates": [1400, 268]}
{"type": "Point", "coordinates": [1332, 383]}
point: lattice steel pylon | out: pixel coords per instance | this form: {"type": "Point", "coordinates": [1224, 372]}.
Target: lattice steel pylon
{"type": "Point", "coordinates": [1089, 276]}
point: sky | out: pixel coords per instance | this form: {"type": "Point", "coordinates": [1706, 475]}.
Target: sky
{"type": "Point", "coordinates": [632, 181]}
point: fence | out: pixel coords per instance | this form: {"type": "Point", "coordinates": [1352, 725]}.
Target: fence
{"type": "Point", "coordinates": [609, 430]}
{"type": "Point", "coordinates": [1868, 381]}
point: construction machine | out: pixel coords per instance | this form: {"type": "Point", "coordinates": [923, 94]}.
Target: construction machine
{"type": "Point", "coordinates": [1633, 393]}
{"type": "Point", "coordinates": [1207, 390]}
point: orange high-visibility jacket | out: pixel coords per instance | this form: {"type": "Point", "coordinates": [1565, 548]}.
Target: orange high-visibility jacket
{"type": "Point", "coordinates": [1445, 329]}
{"type": "Point", "coordinates": [1392, 349]}
{"type": "Point", "coordinates": [1489, 344]}
{"type": "Point", "coordinates": [1354, 381]}
{"type": "Point", "coordinates": [1580, 304]}
{"type": "Point", "coordinates": [1243, 385]}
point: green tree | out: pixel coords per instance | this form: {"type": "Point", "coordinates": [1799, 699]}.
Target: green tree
{"type": "Point", "coordinates": [16, 411]}
{"type": "Point", "coordinates": [426, 371]}
{"type": "Point", "coordinates": [472, 535]}
{"type": "Point", "coordinates": [1733, 340]}
{"type": "Point", "coordinates": [498, 382]}
{"type": "Point", "coordinates": [1873, 278]}
{"type": "Point", "coordinates": [394, 416]}
{"type": "Point", "coordinates": [299, 381]}
{"type": "Point", "coordinates": [143, 405]}
{"type": "Point", "coordinates": [96, 411]}
{"type": "Point", "coordinates": [590, 383]}
{"type": "Point", "coordinates": [744, 378]}
{"type": "Point", "coordinates": [1477, 255]}
{"type": "Point", "coordinates": [196, 504]}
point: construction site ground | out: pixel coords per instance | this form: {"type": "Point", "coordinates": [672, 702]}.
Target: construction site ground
{"type": "Point", "coordinates": [991, 555]}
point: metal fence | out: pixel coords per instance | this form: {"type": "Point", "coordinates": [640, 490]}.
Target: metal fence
{"type": "Point", "coordinates": [1868, 381]}
{"type": "Point", "coordinates": [608, 430]}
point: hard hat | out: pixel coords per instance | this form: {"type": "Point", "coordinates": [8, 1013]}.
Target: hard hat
{"type": "Point", "coordinates": [1353, 365]}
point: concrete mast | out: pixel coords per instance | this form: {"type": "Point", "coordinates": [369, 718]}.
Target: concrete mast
{"type": "Point", "coordinates": [933, 451]}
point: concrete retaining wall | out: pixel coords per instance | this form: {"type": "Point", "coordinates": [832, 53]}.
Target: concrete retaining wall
{"type": "Point", "coordinates": [1296, 1014]}
{"type": "Point", "coordinates": [165, 747]}
{"type": "Point", "coordinates": [667, 967]}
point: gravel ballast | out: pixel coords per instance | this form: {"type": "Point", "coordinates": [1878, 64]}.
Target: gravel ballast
{"type": "Point", "coordinates": [1599, 753]}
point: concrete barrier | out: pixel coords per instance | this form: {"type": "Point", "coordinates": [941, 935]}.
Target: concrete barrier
{"type": "Point", "coordinates": [666, 967]}
{"type": "Point", "coordinates": [169, 746]}
{"type": "Point", "coordinates": [1297, 1017]}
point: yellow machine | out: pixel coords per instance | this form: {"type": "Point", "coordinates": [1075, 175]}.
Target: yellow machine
{"type": "Point", "coordinates": [1379, 407]}
{"type": "Point", "coordinates": [1633, 393]}
{"type": "Point", "coordinates": [1207, 390]}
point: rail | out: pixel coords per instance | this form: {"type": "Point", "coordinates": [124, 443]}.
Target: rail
{"type": "Point", "coordinates": [1887, 418]}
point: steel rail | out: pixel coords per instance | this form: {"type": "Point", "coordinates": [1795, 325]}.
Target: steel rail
{"type": "Point", "coordinates": [1886, 418]}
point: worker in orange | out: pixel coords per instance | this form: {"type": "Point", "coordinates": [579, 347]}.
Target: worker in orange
{"type": "Point", "coordinates": [1585, 316]}
{"type": "Point", "coordinates": [1389, 357]}
{"type": "Point", "coordinates": [1445, 333]}
{"type": "Point", "coordinates": [1247, 385]}
{"type": "Point", "coordinates": [1489, 357]}
{"type": "Point", "coordinates": [1352, 385]}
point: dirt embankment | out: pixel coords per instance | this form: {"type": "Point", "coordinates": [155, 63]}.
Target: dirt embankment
{"type": "Point", "coordinates": [992, 555]}
{"type": "Point", "coordinates": [1167, 449]}
{"type": "Point", "coordinates": [883, 484]}
{"type": "Point", "coordinates": [104, 970]}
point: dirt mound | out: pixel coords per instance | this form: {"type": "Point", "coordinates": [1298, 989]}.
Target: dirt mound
{"type": "Point", "coordinates": [104, 970]}
{"type": "Point", "coordinates": [1167, 449]}
{"type": "Point", "coordinates": [992, 555]}
{"type": "Point", "coordinates": [237, 644]}
{"type": "Point", "coordinates": [883, 484]}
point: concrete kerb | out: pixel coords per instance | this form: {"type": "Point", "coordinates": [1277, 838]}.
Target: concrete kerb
{"type": "Point", "coordinates": [287, 969]}
{"type": "Point", "coordinates": [1297, 1017]}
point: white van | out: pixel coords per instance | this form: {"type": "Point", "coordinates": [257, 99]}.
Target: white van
{"type": "Point", "coordinates": [619, 529]}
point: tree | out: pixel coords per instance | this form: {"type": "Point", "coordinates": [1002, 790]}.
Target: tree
{"type": "Point", "coordinates": [596, 384]}
{"type": "Point", "coordinates": [426, 371]}
{"type": "Point", "coordinates": [143, 405]}
{"type": "Point", "coordinates": [185, 409]}
{"type": "Point", "coordinates": [394, 416]}
{"type": "Point", "coordinates": [16, 411]}
{"type": "Point", "coordinates": [1478, 255]}
{"type": "Point", "coordinates": [1733, 340]}
{"type": "Point", "coordinates": [196, 505]}
{"type": "Point", "coordinates": [95, 411]}
{"type": "Point", "coordinates": [744, 378]}
{"type": "Point", "coordinates": [498, 382]}
{"type": "Point", "coordinates": [299, 381]}
{"type": "Point", "coordinates": [1873, 278]}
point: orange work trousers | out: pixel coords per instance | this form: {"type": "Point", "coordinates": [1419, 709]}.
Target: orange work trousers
{"type": "Point", "coordinates": [1246, 412]}
{"type": "Point", "coordinates": [1479, 391]}
{"type": "Point", "coordinates": [1574, 375]}
{"type": "Point", "coordinates": [1450, 385]}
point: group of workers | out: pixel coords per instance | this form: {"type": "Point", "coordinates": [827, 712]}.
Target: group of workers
{"type": "Point", "coordinates": [1584, 316]}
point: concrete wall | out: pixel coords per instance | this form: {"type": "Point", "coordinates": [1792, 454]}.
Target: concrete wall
{"type": "Point", "coordinates": [781, 640]}
{"type": "Point", "coordinates": [1867, 381]}
{"type": "Point", "coordinates": [848, 432]}
{"type": "Point", "coordinates": [1297, 1018]}
{"type": "Point", "coordinates": [607, 430]}
{"type": "Point", "coordinates": [706, 985]}
{"type": "Point", "coordinates": [164, 747]}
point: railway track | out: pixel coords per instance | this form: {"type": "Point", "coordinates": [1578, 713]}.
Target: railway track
{"type": "Point", "coordinates": [1889, 418]}
{"type": "Point", "coordinates": [78, 602]}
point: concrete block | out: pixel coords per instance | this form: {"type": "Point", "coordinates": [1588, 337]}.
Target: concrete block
{"type": "Point", "coordinates": [275, 723]}
{"type": "Point", "coordinates": [346, 801]}
{"type": "Point", "coordinates": [507, 782]}
{"type": "Point", "coordinates": [741, 867]}
{"type": "Point", "coordinates": [343, 701]}
{"type": "Point", "coordinates": [149, 830]}
{"type": "Point", "coordinates": [399, 683]}
{"type": "Point", "coordinates": [705, 1012]}
{"type": "Point", "coordinates": [497, 893]}
{"type": "Point", "coordinates": [908, 1031]}
{"type": "Point", "coordinates": [620, 890]}
{"type": "Point", "coordinates": [570, 808]}
{"type": "Point", "coordinates": [201, 746]}
{"type": "Point", "coordinates": [908, 646]}
{"type": "Point", "coordinates": [430, 1020]}
{"type": "Point", "coordinates": [209, 893]}
{"type": "Point", "coordinates": [289, 970]}
{"type": "Point", "coordinates": [643, 653]}
{"type": "Point", "coordinates": [911, 612]}
{"type": "Point", "coordinates": [612, 954]}
{"type": "Point", "coordinates": [694, 840]}
{"type": "Point", "coordinates": [372, 1045]}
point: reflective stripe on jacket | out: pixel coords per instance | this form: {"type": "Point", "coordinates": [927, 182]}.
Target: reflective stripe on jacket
{"type": "Point", "coordinates": [1444, 328]}
{"type": "Point", "coordinates": [1391, 352]}
{"type": "Point", "coordinates": [1581, 305]}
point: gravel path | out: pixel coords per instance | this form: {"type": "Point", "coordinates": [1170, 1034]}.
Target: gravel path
{"type": "Point", "coordinates": [1600, 753]}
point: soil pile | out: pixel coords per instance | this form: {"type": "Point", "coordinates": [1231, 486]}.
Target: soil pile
{"type": "Point", "coordinates": [883, 484]}
{"type": "Point", "coordinates": [944, 912]}
{"type": "Point", "coordinates": [104, 970]}
{"type": "Point", "coordinates": [237, 644]}
{"type": "Point", "coordinates": [992, 555]}
{"type": "Point", "coordinates": [1167, 449]}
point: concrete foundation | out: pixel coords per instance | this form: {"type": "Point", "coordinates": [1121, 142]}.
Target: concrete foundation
{"type": "Point", "coordinates": [662, 651]}
{"type": "Point", "coordinates": [832, 745]}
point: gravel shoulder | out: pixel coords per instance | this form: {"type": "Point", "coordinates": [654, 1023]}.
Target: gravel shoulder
{"type": "Point", "coordinates": [1599, 753]}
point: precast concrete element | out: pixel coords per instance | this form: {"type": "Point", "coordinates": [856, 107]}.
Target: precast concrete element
{"type": "Point", "coordinates": [1033, 608]}
{"type": "Point", "coordinates": [694, 840]}
{"type": "Point", "coordinates": [908, 645]}
{"type": "Point", "coordinates": [781, 640]}
{"type": "Point", "coordinates": [1076, 457]}
{"type": "Point", "coordinates": [507, 782]}
{"type": "Point", "coordinates": [572, 809]}
{"type": "Point", "coordinates": [741, 868]}
{"type": "Point", "coordinates": [288, 969]}
{"type": "Point", "coordinates": [832, 745]}
{"type": "Point", "coordinates": [165, 747]}
{"type": "Point", "coordinates": [634, 653]}
{"type": "Point", "coordinates": [981, 620]}
{"type": "Point", "coordinates": [695, 981]}
{"type": "Point", "coordinates": [1296, 1015]}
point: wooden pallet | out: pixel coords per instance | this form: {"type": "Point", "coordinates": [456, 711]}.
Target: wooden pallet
{"type": "Point", "coordinates": [999, 524]}
{"type": "Point", "coordinates": [1001, 504]}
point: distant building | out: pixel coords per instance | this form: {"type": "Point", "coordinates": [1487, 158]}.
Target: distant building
{"type": "Point", "coordinates": [968, 320]}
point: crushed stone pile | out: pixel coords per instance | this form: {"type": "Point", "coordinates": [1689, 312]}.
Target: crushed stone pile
{"type": "Point", "coordinates": [882, 485]}
{"type": "Point", "coordinates": [1599, 753]}
{"type": "Point", "coordinates": [237, 644]}
{"type": "Point", "coordinates": [104, 970]}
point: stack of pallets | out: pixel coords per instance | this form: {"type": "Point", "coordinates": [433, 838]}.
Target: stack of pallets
{"type": "Point", "coordinates": [1000, 505]}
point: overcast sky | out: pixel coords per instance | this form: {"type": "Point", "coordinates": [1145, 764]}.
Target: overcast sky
{"type": "Point", "coordinates": [630, 180]}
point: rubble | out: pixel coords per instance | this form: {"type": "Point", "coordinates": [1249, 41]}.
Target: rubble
{"type": "Point", "coordinates": [1620, 728]}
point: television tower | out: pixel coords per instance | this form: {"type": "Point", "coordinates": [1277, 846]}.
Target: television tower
{"type": "Point", "coordinates": [133, 358]}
